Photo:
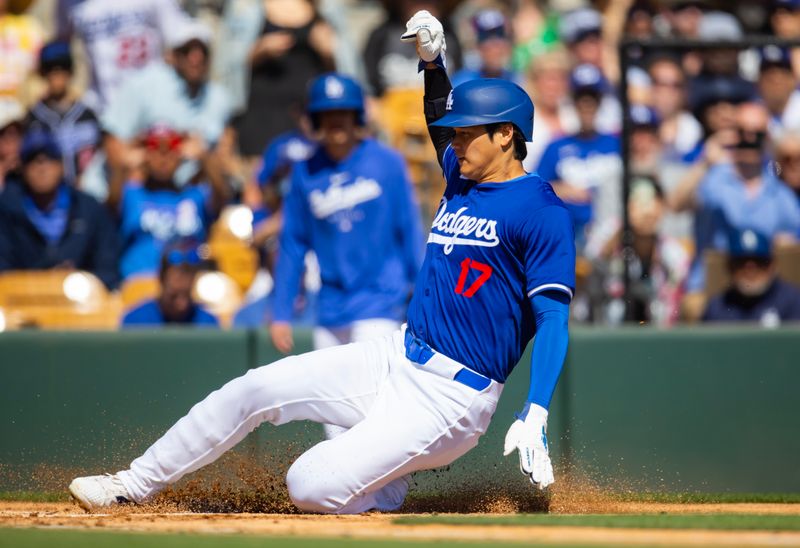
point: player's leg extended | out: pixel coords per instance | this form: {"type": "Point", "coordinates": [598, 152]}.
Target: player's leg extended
{"type": "Point", "coordinates": [358, 331]}
{"type": "Point", "coordinates": [337, 383]}
{"type": "Point", "coordinates": [419, 420]}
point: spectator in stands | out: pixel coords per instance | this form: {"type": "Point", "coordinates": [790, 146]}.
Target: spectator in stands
{"type": "Point", "coordinates": [582, 32]}
{"type": "Point", "coordinates": [390, 63]}
{"type": "Point", "coordinates": [180, 96]}
{"type": "Point", "coordinates": [585, 168]}
{"type": "Point", "coordinates": [46, 223]}
{"type": "Point", "coordinates": [548, 84]}
{"type": "Point", "coordinates": [646, 148]}
{"type": "Point", "coordinates": [785, 23]}
{"type": "Point", "coordinates": [71, 121]}
{"type": "Point", "coordinates": [11, 117]}
{"type": "Point", "coordinates": [22, 36]}
{"type": "Point", "coordinates": [657, 270]}
{"type": "Point", "coordinates": [157, 210]}
{"type": "Point", "coordinates": [717, 26]}
{"type": "Point", "coordinates": [756, 292]}
{"type": "Point", "coordinates": [494, 45]}
{"type": "Point", "coordinates": [716, 109]}
{"type": "Point", "coordinates": [787, 158]}
{"type": "Point", "coordinates": [174, 305]}
{"type": "Point", "coordinates": [777, 86]}
{"type": "Point", "coordinates": [684, 19]}
{"type": "Point", "coordinates": [730, 188]}
{"type": "Point", "coordinates": [295, 45]}
{"type": "Point", "coordinates": [274, 174]}
{"type": "Point", "coordinates": [679, 130]}
{"type": "Point", "coordinates": [120, 39]}
{"type": "Point", "coordinates": [535, 32]}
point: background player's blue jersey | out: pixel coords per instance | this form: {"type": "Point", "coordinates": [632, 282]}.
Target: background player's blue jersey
{"type": "Point", "coordinates": [361, 219]}
{"type": "Point", "coordinates": [492, 246]}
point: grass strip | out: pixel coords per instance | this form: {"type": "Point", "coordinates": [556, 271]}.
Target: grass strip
{"type": "Point", "coordinates": [65, 538]}
{"type": "Point", "coordinates": [738, 522]}
{"type": "Point", "coordinates": [712, 498]}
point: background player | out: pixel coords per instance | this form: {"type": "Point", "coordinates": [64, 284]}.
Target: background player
{"type": "Point", "coordinates": [499, 267]}
{"type": "Point", "coordinates": [352, 203]}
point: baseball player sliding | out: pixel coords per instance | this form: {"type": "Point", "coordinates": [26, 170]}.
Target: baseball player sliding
{"type": "Point", "coordinates": [498, 268]}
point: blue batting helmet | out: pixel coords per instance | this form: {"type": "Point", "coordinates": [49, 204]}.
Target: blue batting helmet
{"type": "Point", "coordinates": [488, 101]}
{"type": "Point", "coordinates": [333, 91]}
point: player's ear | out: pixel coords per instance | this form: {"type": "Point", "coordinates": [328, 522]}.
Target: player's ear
{"type": "Point", "coordinates": [506, 134]}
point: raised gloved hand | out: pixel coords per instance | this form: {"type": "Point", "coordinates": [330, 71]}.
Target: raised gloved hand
{"type": "Point", "coordinates": [528, 435]}
{"type": "Point", "coordinates": [427, 31]}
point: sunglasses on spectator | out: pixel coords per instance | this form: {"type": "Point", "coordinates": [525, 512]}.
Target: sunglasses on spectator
{"type": "Point", "coordinates": [177, 257]}
{"type": "Point", "coordinates": [170, 142]}
{"type": "Point", "coordinates": [751, 140]}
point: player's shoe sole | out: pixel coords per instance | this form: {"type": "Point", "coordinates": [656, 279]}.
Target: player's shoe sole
{"type": "Point", "coordinates": [98, 492]}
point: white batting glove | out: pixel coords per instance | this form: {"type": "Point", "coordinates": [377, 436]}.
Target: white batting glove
{"type": "Point", "coordinates": [528, 435]}
{"type": "Point", "coordinates": [428, 33]}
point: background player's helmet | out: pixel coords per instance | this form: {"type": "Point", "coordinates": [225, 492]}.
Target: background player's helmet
{"type": "Point", "coordinates": [488, 101]}
{"type": "Point", "coordinates": [333, 91]}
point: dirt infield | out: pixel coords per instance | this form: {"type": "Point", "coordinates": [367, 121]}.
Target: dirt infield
{"type": "Point", "coordinates": [164, 520]}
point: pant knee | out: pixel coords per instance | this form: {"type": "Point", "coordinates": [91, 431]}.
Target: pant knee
{"type": "Point", "coordinates": [310, 487]}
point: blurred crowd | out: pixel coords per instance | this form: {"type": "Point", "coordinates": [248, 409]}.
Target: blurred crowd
{"type": "Point", "coordinates": [153, 140]}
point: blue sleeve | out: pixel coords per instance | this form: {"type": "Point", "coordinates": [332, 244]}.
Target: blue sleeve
{"type": "Point", "coordinates": [549, 251]}
{"type": "Point", "coordinates": [294, 243]}
{"type": "Point", "coordinates": [547, 164]}
{"type": "Point", "coordinates": [409, 224]}
{"type": "Point", "coordinates": [551, 313]}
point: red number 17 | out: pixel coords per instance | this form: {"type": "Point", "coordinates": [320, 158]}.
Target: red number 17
{"type": "Point", "coordinates": [466, 265]}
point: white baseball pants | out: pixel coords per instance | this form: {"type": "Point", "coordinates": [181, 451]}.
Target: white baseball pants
{"type": "Point", "coordinates": [402, 417]}
{"type": "Point", "coordinates": [361, 330]}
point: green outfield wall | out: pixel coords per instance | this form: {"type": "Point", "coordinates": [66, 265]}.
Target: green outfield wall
{"type": "Point", "coordinates": [702, 410]}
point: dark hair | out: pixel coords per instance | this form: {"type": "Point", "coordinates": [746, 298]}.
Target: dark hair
{"type": "Point", "coordinates": [520, 149]}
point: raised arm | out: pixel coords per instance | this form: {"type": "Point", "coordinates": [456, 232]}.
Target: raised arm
{"type": "Point", "coordinates": [424, 29]}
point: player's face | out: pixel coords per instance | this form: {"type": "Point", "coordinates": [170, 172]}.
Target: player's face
{"type": "Point", "coordinates": [478, 155]}
{"type": "Point", "coordinates": [176, 292]}
{"type": "Point", "coordinates": [338, 128]}
{"type": "Point", "coordinates": [43, 174]}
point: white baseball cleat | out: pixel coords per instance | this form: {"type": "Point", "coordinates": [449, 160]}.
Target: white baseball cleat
{"type": "Point", "coordinates": [94, 492]}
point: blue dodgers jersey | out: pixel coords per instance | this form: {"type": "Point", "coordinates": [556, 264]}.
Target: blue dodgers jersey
{"type": "Point", "coordinates": [151, 218]}
{"type": "Point", "coordinates": [585, 162]}
{"type": "Point", "coordinates": [491, 247]}
{"type": "Point", "coordinates": [360, 218]}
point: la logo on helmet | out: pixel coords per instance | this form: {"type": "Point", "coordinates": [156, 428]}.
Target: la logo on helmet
{"type": "Point", "coordinates": [333, 88]}
{"type": "Point", "coordinates": [449, 105]}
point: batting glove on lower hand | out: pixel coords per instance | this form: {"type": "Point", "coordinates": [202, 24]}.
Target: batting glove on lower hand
{"type": "Point", "coordinates": [429, 35]}
{"type": "Point", "coordinates": [528, 435]}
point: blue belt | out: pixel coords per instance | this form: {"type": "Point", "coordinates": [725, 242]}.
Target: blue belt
{"type": "Point", "coordinates": [419, 352]}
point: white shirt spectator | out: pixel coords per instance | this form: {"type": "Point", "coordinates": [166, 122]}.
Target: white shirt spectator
{"type": "Point", "coordinates": [159, 95]}
{"type": "Point", "coordinates": [121, 37]}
